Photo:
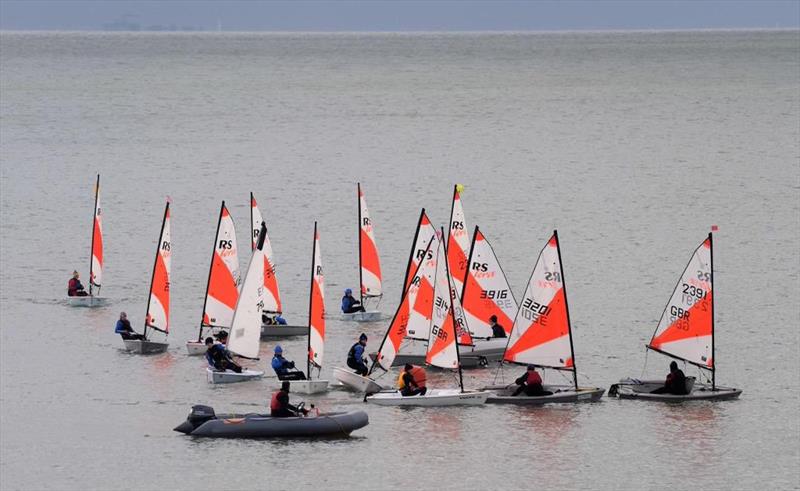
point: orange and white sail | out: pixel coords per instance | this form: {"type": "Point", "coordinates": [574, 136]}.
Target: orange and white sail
{"type": "Point", "coordinates": [486, 290]}
{"type": "Point", "coordinates": [369, 261]}
{"type": "Point", "coordinates": [420, 292]}
{"type": "Point", "coordinates": [272, 295]}
{"type": "Point", "coordinates": [685, 330]}
{"type": "Point", "coordinates": [316, 309]}
{"type": "Point", "coordinates": [422, 237]}
{"type": "Point", "coordinates": [442, 343]}
{"type": "Point", "coordinates": [541, 332]}
{"type": "Point", "coordinates": [398, 329]}
{"type": "Point", "coordinates": [158, 304]}
{"type": "Point", "coordinates": [246, 324]}
{"type": "Point", "coordinates": [96, 266]}
{"type": "Point", "coordinates": [222, 290]}
{"type": "Point", "coordinates": [457, 242]}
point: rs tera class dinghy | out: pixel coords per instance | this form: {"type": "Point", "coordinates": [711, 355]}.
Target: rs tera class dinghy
{"type": "Point", "coordinates": [202, 421]}
{"type": "Point", "coordinates": [541, 336]}
{"type": "Point", "coordinates": [93, 299]}
{"type": "Point", "coordinates": [442, 342]}
{"type": "Point", "coordinates": [685, 332]}
{"type": "Point", "coordinates": [243, 340]}
{"type": "Point", "coordinates": [157, 317]}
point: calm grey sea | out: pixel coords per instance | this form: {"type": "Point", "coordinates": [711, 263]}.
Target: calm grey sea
{"type": "Point", "coordinates": [630, 144]}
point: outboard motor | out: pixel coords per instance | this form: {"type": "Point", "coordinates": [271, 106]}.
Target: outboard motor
{"type": "Point", "coordinates": [199, 415]}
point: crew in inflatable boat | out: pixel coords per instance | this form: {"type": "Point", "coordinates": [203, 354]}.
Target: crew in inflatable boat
{"type": "Point", "coordinates": [350, 304]}
{"type": "Point", "coordinates": [531, 384]}
{"type": "Point", "coordinates": [497, 330]}
{"type": "Point", "coordinates": [279, 406]}
{"type": "Point", "coordinates": [675, 383]}
{"type": "Point", "coordinates": [284, 368]}
{"type": "Point", "coordinates": [218, 356]}
{"type": "Point", "coordinates": [74, 286]}
{"type": "Point", "coordinates": [124, 329]}
{"type": "Point", "coordinates": [355, 357]}
{"type": "Point", "coordinates": [411, 381]}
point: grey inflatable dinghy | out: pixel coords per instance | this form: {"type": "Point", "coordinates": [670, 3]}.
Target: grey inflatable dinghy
{"type": "Point", "coordinates": [202, 421]}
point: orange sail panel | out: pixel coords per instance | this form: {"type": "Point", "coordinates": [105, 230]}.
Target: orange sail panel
{"type": "Point", "coordinates": [224, 276]}
{"type": "Point", "coordinates": [316, 342]}
{"type": "Point", "coordinates": [457, 243]}
{"type": "Point", "coordinates": [442, 346]}
{"type": "Point", "coordinates": [368, 252]}
{"type": "Point", "coordinates": [420, 292]}
{"type": "Point", "coordinates": [96, 275]}
{"type": "Point", "coordinates": [158, 305]}
{"type": "Point", "coordinates": [272, 295]}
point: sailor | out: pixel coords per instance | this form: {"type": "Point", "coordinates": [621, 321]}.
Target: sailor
{"type": "Point", "coordinates": [218, 356]}
{"type": "Point", "coordinates": [267, 318]}
{"type": "Point", "coordinates": [350, 304]}
{"type": "Point", "coordinates": [530, 383]}
{"type": "Point", "coordinates": [124, 329]}
{"type": "Point", "coordinates": [279, 406]}
{"type": "Point", "coordinates": [284, 368]}
{"type": "Point", "coordinates": [497, 330]}
{"type": "Point", "coordinates": [355, 357]}
{"type": "Point", "coordinates": [411, 381]}
{"type": "Point", "coordinates": [74, 286]}
{"type": "Point", "coordinates": [675, 382]}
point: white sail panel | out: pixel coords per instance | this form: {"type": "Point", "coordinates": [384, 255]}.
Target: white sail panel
{"type": "Point", "coordinates": [368, 252]}
{"type": "Point", "coordinates": [685, 329]}
{"type": "Point", "coordinates": [96, 273]}
{"type": "Point", "coordinates": [246, 325]}
{"type": "Point", "coordinates": [255, 221]}
{"type": "Point", "coordinates": [158, 306]}
{"type": "Point", "coordinates": [442, 347]}
{"type": "Point", "coordinates": [421, 291]}
{"type": "Point", "coordinates": [222, 291]}
{"type": "Point", "coordinates": [457, 242]}
{"type": "Point", "coordinates": [316, 341]}
{"type": "Point", "coordinates": [425, 232]}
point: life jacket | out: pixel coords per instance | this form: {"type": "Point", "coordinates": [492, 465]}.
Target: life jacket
{"type": "Point", "coordinates": [351, 355]}
{"type": "Point", "coordinates": [533, 378]}
{"type": "Point", "coordinates": [419, 375]}
{"type": "Point", "coordinates": [275, 404]}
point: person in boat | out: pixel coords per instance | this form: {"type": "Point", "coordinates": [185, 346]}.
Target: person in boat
{"type": "Point", "coordinates": [284, 368]}
{"type": "Point", "coordinates": [355, 357]}
{"type": "Point", "coordinates": [350, 304]}
{"type": "Point", "coordinates": [530, 383]}
{"type": "Point", "coordinates": [74, 286]}
{"type": "Point", "coordinates": [497, 330]}
{"type": "Point", "coordinates": [411, 381]}
{"type": "Point", "coordinates": [279, 406]}
{"type": "Point", "coordinates": [124, 329]}
{"type": "Point", "coordinates": [272, 319]}
{"type": "Point", "coordinates": [675, 382]}
{"type": "Point", "coordinates": [218, 356]}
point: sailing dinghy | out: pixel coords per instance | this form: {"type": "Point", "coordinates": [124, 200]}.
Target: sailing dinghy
{"type": "Point", "coordinates": [542, 334]}
{"type": "Point", "coordinates": [157, 317]}
{"type": "Point", "coordinates": [272, 297]}
{"type": "Point", "coordinates": [95, 259]}
{"type": "Point", "coordinates": [369, 267]}
{"type": "Point", "coordinates": [244, 336]}
{"type": "Point", "coordinates": [442, 349]}
{"type": "Point", "coordinates": [222, 287]}
{"type": "Point", "coordinates": [685, 332]}
{"type": "Point", "coordinates": [316, 327]}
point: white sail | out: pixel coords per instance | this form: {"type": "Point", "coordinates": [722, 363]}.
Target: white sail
{"type": "Point", "coordinates": [442, 347]}
{"type": "Point", "coordinates": [316, 314]}
{"type": "Point", "coordinates": [422, 238]}
{"type": "Point", "coordinates": [158, 304]}
{"type": "Point", "coordinates": [96, 270]}
{"type": "Point", "coordinates": [369, 261]}
{"type": "Point", "coordinates": [457, 242]}
{"type": "Point", "coordinates": [246, 325]}
{"type": "Point", "coordinates": [420, 292]}
{"type": "Point", "coordinates": [272, 296]}
{"type": "Point", "coordinates": [686, 327]}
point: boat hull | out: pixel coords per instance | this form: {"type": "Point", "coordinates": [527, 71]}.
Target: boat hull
{"type": "Point", "coordinates": [368, 316]}
{"type": "Point", "coordinates": [356, 382]}
{"type": "Point", "coordinates": [434, 397]}
{"type": "Point", "coordinates": [142, 347]}
{"type": "Point", "coordinates": [263, 426]}
{"type": "Point", "coordinates": [195, 348]}
{"type": "Point", "coordinates": [231, 377]}
{"type": "Point", "coordinates": [562, 394]}
{"type": "Point", "coordinates": [89, 301]}
{"type": "Point", "coordinates": [642, 390]}
{"type": "Point", "coordinates": [308, 386]}
{"type": "Point", "coordinates": [278, 330]}
{"type": "Point", "coordinates": [483, 353]}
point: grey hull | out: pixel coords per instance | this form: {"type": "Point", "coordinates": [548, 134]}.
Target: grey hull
{"type": "Point", "coordinates": [701, 393]}
{"type": "Point", "coordinates": [262, 426]}
{"type": "Point", "coordinates": [467, 360]}
{"type": "Point", "coordinates": [145, 347]}
{"type": "Point", "coordinates": [277, 331]}
{"type": "Point", "coordinates": [561, 395]}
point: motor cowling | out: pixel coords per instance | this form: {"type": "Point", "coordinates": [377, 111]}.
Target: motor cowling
{"type": "Point", "coordinates": [199, 415]}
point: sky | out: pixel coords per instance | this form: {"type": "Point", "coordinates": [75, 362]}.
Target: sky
{"type": "Point", "coordinates": [400, 15]}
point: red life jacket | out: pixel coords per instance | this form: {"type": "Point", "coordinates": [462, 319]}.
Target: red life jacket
{"type": "Point", "coordinates": [275, 404]}
{"type": "Point", "coordinates": [533, 378]}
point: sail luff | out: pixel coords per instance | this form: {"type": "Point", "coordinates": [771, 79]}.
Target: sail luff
{"type": "Point", "coordinates": [311, 302]}
{"type": "Point", "coordinates": [360, 250]}
{"type": "Point", "coordinates": [713, 321]}
{"type": "Point", "coordinates": [566, 306]}
{"type": "Point", "coordinates": [92, 251]}
{"type": "Point", "coordinates": [210, 267]}
{"type": "Point", "coordinates": [316, 324]}
{"type": "Point", "coordinates": [164, 245]}
{"type": "Point", "coordinates": [245, 331]}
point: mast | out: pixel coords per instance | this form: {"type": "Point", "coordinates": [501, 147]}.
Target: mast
{"type": "Point", "coordinates": [94, 221]}
{"type": "Point", "coordinates": [566, 306]}
{"type": "Point", "coordinates": [155, 263]}
{"type": "Point", "coordinates": [310, 301]}
{"type": "Point", "coordinates": [713, 294]}
{"type": "Point", "coordinates": [360, 272]}
{"type": "Point", "coordinates": [411, 256]}
{"type": "Point", "coordinates": [210, 267]}
{"type": "Point", "coordinates": [252, 244]}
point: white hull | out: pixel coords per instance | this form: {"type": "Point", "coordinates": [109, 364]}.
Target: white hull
{"type": "Point", "coordinates": [144, 347]}
{"type": "Point", "coordinates": [355, 381]}
{"type": "Point", "coordinates": [368, 316]}
{"type": "Point", "coordinates": [231, 377]}
{"type": "Point", "coordinates": [308, 386]}
{"type": "Point", "coordinates": [560, 394]}
{"type": "Point", "coordinates": [90, 301]}
{"type": "Point", "coordinates": [277, 330]}
{"type": "Point", "coordinates": [195, 348]}
{"type": "Point", "coordinates": [642, 390]}
{"type": "Point", "coordinates": [483, 353]}
{"type": "Point", "coordinates": [434, 397]}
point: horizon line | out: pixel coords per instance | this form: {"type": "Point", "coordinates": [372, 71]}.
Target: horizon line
{"type": "Point", "coordinates": [410, 31]}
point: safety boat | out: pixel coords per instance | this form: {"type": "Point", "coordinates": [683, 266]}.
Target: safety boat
{"type": "Point", "coordinates": [443, 339]}
{"type": "Point", "coordinates": [316, 327]}
{"type": "Point", "coordinates": [272, 309]}
{"type": "Point", "coordinates": [542, 334]}
{"type": "Point", "coordinates": [369, 267]}
{"type": "Point", "coordinates": [685, 332]}
{"type": "Point", "coordinates": [202, 421]}
{"type": "Point", "coordinates": [243, 340]}
{"type": "Point", "coordinates": [93, 299]}
{"type": "Point", "coordinates": [157, 317]}
{"type": "Point", "coordinates": [222, 286]}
